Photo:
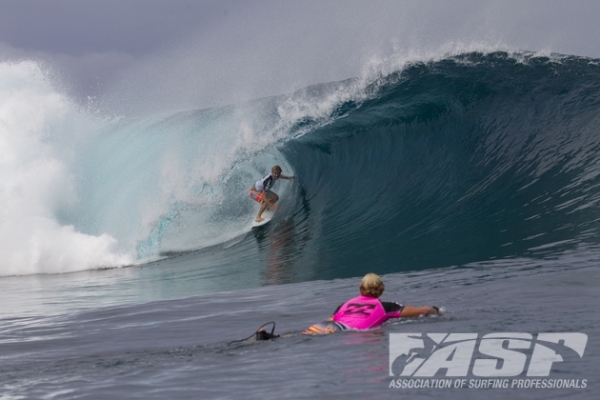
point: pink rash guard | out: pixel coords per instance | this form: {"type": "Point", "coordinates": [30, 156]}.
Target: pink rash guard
{"type": "Point", "coordinates": [365, 312]}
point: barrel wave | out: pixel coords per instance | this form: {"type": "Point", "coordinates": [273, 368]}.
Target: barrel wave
{"type": "Point", "coordinates": [466, 158]}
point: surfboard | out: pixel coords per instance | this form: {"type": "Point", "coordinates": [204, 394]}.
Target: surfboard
{"type": "Point", "coordinates": [267, 216]}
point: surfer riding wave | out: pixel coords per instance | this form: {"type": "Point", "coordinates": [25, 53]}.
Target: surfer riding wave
{"type": "Point", "coordinates": [262, 193]}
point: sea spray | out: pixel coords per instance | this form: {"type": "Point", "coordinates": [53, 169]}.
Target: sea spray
{"type": "Point", "coordinates": [35, 180]}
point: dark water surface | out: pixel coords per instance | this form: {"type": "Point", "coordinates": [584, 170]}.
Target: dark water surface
{"type": "Point", "coordinates": [179, 348]}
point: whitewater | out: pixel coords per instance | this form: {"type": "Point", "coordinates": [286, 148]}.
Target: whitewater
{"type": "Point", "coordinates": [469, 180]}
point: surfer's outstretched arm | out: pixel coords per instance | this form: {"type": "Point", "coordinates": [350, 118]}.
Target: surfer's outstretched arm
{"type": "Point", "coordinates": [410, 311]}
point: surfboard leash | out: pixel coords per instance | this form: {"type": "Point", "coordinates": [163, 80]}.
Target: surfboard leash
{"type": "Point", "coordinates": [260, 334]}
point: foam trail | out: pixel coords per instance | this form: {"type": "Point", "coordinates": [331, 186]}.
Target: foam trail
{"type": "Point", "coordinates": [35, 181]}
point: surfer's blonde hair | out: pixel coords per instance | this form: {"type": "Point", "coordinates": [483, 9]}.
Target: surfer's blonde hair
{"type": "Point", "coordinates": [371, 285]}
{"type": "Point", "coordinates": [276, 168]}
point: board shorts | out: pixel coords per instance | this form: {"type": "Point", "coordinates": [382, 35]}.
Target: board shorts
{"type": "Point", "coordinates": [325, 327]}
{"type": "Point", "coordinates": [256, 195]}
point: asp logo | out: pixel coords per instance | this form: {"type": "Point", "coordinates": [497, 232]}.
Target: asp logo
{"type": "Point", "coordinates": [499, 354]}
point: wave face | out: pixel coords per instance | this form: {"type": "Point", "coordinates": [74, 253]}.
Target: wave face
{"type": "Point", "coordinates": [464, 159]}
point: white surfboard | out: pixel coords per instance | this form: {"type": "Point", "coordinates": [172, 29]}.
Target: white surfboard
{"type": "Point", "coordinates": [267, 215]}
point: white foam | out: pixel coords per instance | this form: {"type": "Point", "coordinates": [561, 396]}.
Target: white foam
{"type": "Point", "coordinates": [35, 182]}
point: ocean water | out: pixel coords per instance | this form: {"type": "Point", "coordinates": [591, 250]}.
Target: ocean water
{"type": "Point", "coordinates": [129, 265]}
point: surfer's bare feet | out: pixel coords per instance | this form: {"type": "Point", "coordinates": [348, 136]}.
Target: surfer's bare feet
{"type": "Point", "coordinates": [259, 219]}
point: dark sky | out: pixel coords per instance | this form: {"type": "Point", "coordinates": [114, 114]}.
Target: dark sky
{"type": "Point", "coordinates": [179, 54]}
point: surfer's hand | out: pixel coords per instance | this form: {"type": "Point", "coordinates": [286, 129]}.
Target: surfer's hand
{"type": "Point", "coordinates": [436, 311]}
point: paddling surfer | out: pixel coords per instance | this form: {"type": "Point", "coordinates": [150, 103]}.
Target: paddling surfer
{"type": "Point", "coordinates": [367, 311]}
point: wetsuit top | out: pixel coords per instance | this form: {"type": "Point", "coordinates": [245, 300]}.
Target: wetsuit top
{"type": "Point", "coordinates": [265, 183]}
{"type": "Point", "coordinates": [365, 312]}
